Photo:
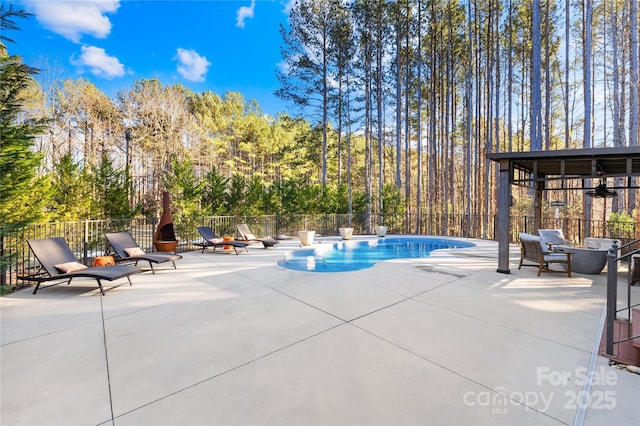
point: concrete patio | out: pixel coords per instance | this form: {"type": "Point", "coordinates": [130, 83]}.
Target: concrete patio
{"type": "Point", "coordinates": [228, 339]}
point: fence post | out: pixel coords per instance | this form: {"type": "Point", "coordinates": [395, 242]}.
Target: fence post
{"type": "Point", "coordinates": [3, 274]}
{"type": "Point", "coordinates": [86, 241]}
{"type": "Point", "coordinates": [612, 295]}
{"type": "Point", "coordinates": [154, 222]}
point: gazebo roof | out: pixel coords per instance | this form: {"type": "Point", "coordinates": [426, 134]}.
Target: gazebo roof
{"type": "Point", "coordinates": [570, 164]}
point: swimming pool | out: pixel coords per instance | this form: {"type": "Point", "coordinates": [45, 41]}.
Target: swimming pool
{"type": "Point", "coordinates": [354, 255]}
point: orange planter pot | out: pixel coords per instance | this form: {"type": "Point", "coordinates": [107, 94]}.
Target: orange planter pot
{"type": "Point", "coordinates": [103, 261]}
{"type": "Point", "coordinates": [228, 239]}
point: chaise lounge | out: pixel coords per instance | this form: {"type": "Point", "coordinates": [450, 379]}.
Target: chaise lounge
{"type": "Point", "coordinates": [127, 250]}
{"type": "Point", "coordinates": [210, 239]}
{"type": "Point", "coordinates": [246, 235]}
{"type": "Point", "coordinates": [58, 262]}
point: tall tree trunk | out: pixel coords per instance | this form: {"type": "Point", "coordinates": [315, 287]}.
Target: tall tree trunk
{"type": "Point", "coordinates": [536, 101]}
{"type": "Point", "coordinates": [469, 95]}
{"type": "Point", "coordinates": [588, 13]}
{"type": "Point", "coordinates": [510, 80]}
{"type": "Point", "coordinates": [547, 77]}
{"type": "Point", "coordinates": [398, 99]}
{"type": "Point", "coordinates": [567, 61]}
{"type": "Point", "coordinates": [617, 129]}
{"type": "Point", "coordinates": [634, 90]}
{"type": "Point", "coordinates": [449, 123]}
{"type": "Point", "coordinates": [367, 130]}
{"type": "Point", "coordinates": [407, 122]}
{"type": "Point", "coordinates": [380, 106]}
{"type": "Point", "coordinates": [419, 127]}
{"type": "Point", "coordinates": [325, 107]}
{"type": "Point", "coordinates": [348, 112]}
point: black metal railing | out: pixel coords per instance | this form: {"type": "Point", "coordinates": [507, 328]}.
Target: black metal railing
{"type": "Point", "coordinates": [86, 238]}
{"type": "Point", "coordinates": [628, 251]}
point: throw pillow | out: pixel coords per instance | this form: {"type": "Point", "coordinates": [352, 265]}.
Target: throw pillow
{"type": "Point", "coordinates": [70, 267]}
{"type": "Point", "coordinates": [134, 251]}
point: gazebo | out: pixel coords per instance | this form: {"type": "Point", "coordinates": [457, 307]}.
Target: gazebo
{"type": "Point", "coordinates": [536, 169]}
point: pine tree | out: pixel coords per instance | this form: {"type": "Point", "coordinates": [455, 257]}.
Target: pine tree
{"type": "Point", "coordinates": [213, 193]}
{"type": "Point", "coordinates": [186, 193]}
{"type": "Point", "coordinates": [72, 197]}
{"type": "Point", "coordinates": [18, 162]}
{"type": "Point", "coordinates": [307, 53]}
{"type": "Point", "coordinates": [111, 195]}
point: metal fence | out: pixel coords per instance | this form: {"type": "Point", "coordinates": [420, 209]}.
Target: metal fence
{"type": "Point", "coordinates": [86, 238]}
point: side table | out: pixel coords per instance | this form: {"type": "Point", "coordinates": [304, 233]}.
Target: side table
{"type": "Point", "coordinates": [104, 261]}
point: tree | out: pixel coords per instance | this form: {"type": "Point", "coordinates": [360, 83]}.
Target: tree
{"type": "Point", "coordinates": [72, 195]}
{"type": "Point", "coordinates": [587, 84]}
{"type": "Point", "coordinates": [307, 55]}
{"type": "Point", "coordinates": [186, 192]}
{"type": "Point", "coordinates": [18, 161]}
{"type": "Point", "coordinates": [536, 69]}
{"type": "Point", "coordinates": [343, 48]}
{"type": "Point", "coordinates": [161, 124]}
{"type": "Point", "coordinates": [88, 119]}
{"type": "Point", "coordinates": [254, 144]}
{"type": "Point", "coordinates": [111, 192]}
{"type": "Point", "coordinates": [236, 193]}
{"type": "Point", "coordinates": [213, 193]}
{"type": "Point", "coordinates": [634, 90]}
{"type": "Point", "coordinates": [291, 140]}
{"type": "Point", "coordinates": [364, 17]}
{"type": "Point", "coordinates": [254, 197]}
{"type": "Point", "coordinates": [184, 186]}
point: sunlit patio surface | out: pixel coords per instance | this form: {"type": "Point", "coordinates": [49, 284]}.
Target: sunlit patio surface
{"type": "Point", "coordinates": [228, 339]}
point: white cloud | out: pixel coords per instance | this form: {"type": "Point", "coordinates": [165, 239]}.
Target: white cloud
{"type": "Point", "coordinates": [283, 67]}
{"type": "Point", "coordinates": [288, 6]}
{"type": "Point", "coordinates": [99, 63]}
{"type": "Point", "coordinates": [191, 65]}
{"type": "Point", "coordinates": [71, 19]}
{"type": "Point", "coordinates": [245, 12]}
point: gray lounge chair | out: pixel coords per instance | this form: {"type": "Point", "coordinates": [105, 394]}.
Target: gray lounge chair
{"type": "Point", "coordinates": [246, 235]}
{"type": "Point", "coordinates": [210, 239]}
{"type": "Point", "coordinates": [125, 246]}
{"type": "Point", "coordinates": [58, 262]}
{"type": "Point", "coordinates": [552, 237]}
{"type": "Point", "coordinates": [535, 250]}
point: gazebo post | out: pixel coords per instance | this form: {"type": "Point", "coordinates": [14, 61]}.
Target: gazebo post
{"type": "Point", "coordinates": [537, 205]}
{"type": "Point", "coordinates": [504, 214]}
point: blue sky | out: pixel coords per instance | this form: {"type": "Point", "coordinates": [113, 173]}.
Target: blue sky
{"type": "Point", "coordinates": [217, 45]}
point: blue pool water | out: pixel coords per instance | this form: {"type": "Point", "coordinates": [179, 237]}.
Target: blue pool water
{"type": "Point", "coordinates": [354, 255]}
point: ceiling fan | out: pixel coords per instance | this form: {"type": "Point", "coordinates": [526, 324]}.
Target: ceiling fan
{"type": "Point", "coordinates": [601, 191]}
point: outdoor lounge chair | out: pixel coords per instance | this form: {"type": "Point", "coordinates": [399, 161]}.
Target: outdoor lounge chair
{"type": "Point", "coordinates": [534, 250]}
{"type": "Point", "coordinates": [210, 239]}
{"type": "Point", "coordinates": [127, 250]}
{"type": "Point", "coordinates": [552, 237]}
{"type": "Point", "coordinates": [246, 235]}
{"type": "Point", "coordinates": [58, 262]}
